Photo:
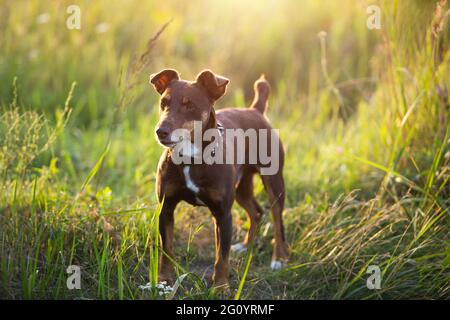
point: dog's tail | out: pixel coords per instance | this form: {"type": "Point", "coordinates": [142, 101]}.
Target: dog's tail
{"type": "Point", "coordinates": [262, 91]}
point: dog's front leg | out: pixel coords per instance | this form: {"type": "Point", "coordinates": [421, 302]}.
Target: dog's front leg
{"type": "Point", "coordinates": [166, 222]}
{"type": "Point", "coordinates": [223, 233]}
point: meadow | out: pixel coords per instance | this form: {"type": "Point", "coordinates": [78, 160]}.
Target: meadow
{"type": "Point", "coordinates": [363, 115]}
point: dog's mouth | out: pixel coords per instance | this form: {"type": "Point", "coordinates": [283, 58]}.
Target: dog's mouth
{"type": "Point", "coordinates": [170, 142]}
{"type": "Point", "coordinates": [167, 143]}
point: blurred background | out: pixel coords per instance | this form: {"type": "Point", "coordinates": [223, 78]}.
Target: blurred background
{"type": "Point", "coordinates": [312, 81]}
{"type": "Point", "coordinates": [363, 114]}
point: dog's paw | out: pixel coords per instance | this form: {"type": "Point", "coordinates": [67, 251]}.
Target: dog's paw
{"type": "Point", "coordinates": [239, 247]}
{"type": "Point", "coordinates": [276, 265]}
{"type": "Point", "coordinates": [165, 277]}
{"type": "Point", "coordinates": [223, 291]}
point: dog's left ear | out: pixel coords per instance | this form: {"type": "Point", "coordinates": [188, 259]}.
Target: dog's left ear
{"type": "Point", "coordinates": [214, 84]}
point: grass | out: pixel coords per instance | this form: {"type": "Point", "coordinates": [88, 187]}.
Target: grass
{"type": "Point", "coordinates": [363, 114]}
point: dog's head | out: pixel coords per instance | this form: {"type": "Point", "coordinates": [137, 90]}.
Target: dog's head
{"type": "Point", "coordinates": [183, 102]}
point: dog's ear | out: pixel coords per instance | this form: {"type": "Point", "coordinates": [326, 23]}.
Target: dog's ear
{"type": "Point", "coordinates": [162, 79]}
{"type": "Point", "coordinates": [215, 85]}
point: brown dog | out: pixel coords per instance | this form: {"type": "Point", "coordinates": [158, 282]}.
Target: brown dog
{"type": "Point", "coordinates": [214, 185]}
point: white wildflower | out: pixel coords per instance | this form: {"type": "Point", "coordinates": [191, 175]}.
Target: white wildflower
{"type": "Point", "coordinates": [161, 287]}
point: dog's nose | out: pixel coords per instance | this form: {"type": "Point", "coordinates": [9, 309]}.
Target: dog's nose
{"type": "Point", "coordinates": [162, 133]}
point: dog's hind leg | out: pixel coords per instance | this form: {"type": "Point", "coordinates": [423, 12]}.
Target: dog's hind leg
{"type": "Point", "coordinates": [274, 186]}
{"type": "Point", "coordinates": [246, 199]}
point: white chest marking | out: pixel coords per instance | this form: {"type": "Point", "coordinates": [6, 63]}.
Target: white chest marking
{"type": "Point", "coordinates": [189, 183]}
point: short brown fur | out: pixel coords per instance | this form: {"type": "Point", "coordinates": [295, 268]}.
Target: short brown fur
{"type": "Point", "coordinates": [218, 184]}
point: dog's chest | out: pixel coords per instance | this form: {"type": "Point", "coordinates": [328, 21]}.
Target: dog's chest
{"type": "Point", "coordinates": [191, 185]}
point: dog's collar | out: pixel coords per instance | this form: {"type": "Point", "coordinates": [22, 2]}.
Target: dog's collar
{"type": "Point", "coordinates": [221, 130]}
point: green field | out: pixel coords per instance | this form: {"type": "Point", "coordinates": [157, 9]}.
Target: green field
{"type": "Point", "coordinates": [363, 115]}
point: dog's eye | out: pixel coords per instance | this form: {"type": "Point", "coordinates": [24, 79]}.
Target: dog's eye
{"type": "Point", "coordinates": [164, 103]}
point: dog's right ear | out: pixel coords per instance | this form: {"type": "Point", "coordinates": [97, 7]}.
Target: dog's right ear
{"type": "Point", "coordinates": [162, 79]}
